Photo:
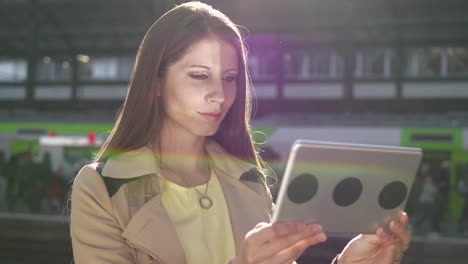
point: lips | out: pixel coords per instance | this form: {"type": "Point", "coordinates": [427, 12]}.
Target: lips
{"type": "Point", "coordinates": [212, 115]}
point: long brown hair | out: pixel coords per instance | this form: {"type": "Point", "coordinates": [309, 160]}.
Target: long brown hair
{"type": "Point", "coordinates": [140, 119]}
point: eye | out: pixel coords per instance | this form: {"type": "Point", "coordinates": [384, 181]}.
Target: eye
{"type": "Point", "coordinates": [200, 76]}
{"type": "Point", "coordinates": [230, 78]}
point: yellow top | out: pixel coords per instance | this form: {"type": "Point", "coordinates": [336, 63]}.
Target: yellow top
{"type": "Point", "coordinates": [205, 234]}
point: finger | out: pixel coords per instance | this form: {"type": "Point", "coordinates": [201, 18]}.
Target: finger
{"type": "Point", "coordinates": [270, 249]}
{"type": "Point", "coordinates": [400, 230]}
{"type": "Point", "coordinates": [295, 251]}
{"type": "Point", "coordinates": [392, 241]}
{"type": "Point", "coordinates": [398, 251]}
{"type": "Point", "coordinates": [401, 233]}
{"type": "Point", "coordinates": [395, 247]}
{"type": "Point", "coordinates": [382, 235]}
{"type": "Point", "coordinates": [275, 245]}
{"type": "Point", "coordinates": [265, 232]}
{"type": "Point", "coordinates": [261, 224]}
{"type": "Point", "coordinates": [397, 258]}
{"type": "Point", "coordinates": [404, 219]}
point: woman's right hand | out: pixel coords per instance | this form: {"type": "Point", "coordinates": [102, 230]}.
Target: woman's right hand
{"type": "Point", "coordinates": [281, 242]}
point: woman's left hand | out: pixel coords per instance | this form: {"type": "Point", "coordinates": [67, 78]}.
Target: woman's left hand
{"type": "Point", "coordinates": [382, 248]}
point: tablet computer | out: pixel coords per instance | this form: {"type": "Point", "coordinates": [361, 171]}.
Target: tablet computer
{"type": "Point", "coordinates": [347, 188]}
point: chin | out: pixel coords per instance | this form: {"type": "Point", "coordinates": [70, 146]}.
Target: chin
{"type": "Point", "coordinates": [208, 132]}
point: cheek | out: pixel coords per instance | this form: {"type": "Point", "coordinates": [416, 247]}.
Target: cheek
{"type": "Point", "coordinates": [231, 95]}
{"type": "Point", "coordinates": [179, 94]}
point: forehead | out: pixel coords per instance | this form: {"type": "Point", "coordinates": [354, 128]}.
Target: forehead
{"type": "Point", "coordinates": [211, 51]}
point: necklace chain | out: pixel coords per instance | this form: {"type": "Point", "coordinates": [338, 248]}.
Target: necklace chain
{"type": "Point", "coordinates": [205, 201]}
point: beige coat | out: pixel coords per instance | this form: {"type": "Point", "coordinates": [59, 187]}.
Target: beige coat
{"type": "Point", "coordinates": [117, 215]}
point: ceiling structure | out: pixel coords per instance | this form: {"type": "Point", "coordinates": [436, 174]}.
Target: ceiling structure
{"type": "Point", "coordinates": [74, 26]}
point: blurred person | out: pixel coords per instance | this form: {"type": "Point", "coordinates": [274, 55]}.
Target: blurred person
{"type": "Point", "coordinates": [427, 197]}
{"type": "Point", "coordinates": [412, 206]}
{"type": "Point", "coordinates": [178, 180]}
{"type": "Point", "coordinates": [30, 182]}
{"type": "Point", "coordinates": [25, 181]}
{"type": "Point", "coordinates": [463, 191]}
{"type": "Point", "coordinates": [44, 169]}
{"type": "Point", "coordinates": [442, 184]}
{"type": "Point", "coordinates": [3, 182]}
{"type": "Point", "coordinates": [44, 173]}
{"type": "Point", "coordinates": [12, 186]}
{"type": "Point", "coordinates": [56, 191]}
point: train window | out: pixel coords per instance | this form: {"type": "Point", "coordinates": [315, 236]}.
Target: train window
{"type": "Point", "coordinates": [13, 70]}
{"type": "Point", "coordinates": [312, 64]}
{"type": "Point", "coordinates": [54, 69]}
{"type": "Point", "coordinates": [424, 62]}
{"type": "Point", "coordinates": [31, 131]}
{"type": "Point", "coordinates": [293, 65]}
{"type": "Point", "coordinates": [433, 138]}
{"type": "Point", "coordinates": [104, 68]}
{"type": "Point", "coordinates": [375, 63]}
{"type": "Point", "coordinates": [263, 64]}
{"type": "Point", "coordinates": [457, 61]}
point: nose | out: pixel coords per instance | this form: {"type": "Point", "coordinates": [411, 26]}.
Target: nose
{"type": "Point", "coordinates": [216, 93]}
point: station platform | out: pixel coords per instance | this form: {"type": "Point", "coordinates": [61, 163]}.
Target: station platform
{"type": "Point", "coordinates": [26, 238]}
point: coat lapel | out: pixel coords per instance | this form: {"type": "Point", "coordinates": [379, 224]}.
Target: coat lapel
{"type": "Point", "coordinates": [151, 230]}
{"type": "Point", "coordinates": [246, 207]}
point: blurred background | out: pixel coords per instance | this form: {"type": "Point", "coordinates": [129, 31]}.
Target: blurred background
{"type": "Point", "coordinates": [389, 72]}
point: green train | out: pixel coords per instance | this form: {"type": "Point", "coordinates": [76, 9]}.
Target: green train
{"type": "Point", "coordinates": [445, 148]}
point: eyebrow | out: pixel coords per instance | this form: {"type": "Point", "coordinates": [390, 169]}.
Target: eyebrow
{"type": "Point", "coordinates": [206, 67]}
{"type": "Point", "coordinates": [199, 66]}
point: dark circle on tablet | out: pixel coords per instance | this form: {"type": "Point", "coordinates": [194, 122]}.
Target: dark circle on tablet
{"type": "Point", "coordinates": [302, 188]}
{"type": "Point", "coordinates": [392, 195]}
{"type": "Point", "coordinates": [347, 191]}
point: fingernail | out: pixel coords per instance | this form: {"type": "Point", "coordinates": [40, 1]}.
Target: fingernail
{"type": "Point", "coordinates": [322, 237]}
{"type": "Point", "coordinates": [379, 230]}
{"type": "Point", "coordinates": [317, 228]}
{"type": "Point", "coordinates": [402, 217]}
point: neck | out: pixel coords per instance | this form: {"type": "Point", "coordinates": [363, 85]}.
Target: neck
{"type": "Point", "coordinates": [182, 154]}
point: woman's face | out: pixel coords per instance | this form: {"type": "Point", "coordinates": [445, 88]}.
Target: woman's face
{"type": "Point", "coordinates": [200, 87]}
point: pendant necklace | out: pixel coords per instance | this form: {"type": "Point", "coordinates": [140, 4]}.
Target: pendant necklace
{"type": "Point", "coordinates": [205, 201]}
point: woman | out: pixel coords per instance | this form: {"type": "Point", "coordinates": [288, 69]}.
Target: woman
{"type": "Point", "coordinates": [178, 179]}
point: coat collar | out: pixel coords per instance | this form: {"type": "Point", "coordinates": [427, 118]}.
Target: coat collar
{"type": "Point", "coordinates": [142, 161]}
{"type": "Point", "coordinates": [246, 208]}
{"type": "Point", "coordinates": [151, 229]}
